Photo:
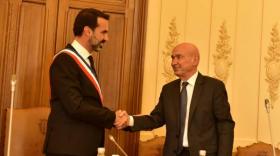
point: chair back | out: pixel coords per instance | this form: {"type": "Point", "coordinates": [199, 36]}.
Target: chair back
{"type": "Point", "coordinates": [257, 149]}
{"type": "Point", "coordinates": [28, 131]}
{"type": "Point", "coordinates": [152, 147]}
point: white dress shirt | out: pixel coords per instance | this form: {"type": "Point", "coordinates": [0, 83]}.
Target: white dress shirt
{"type": "Point", "coordinates": [190, 88]}
{"type": "Point", "coordinates": [81, 50]}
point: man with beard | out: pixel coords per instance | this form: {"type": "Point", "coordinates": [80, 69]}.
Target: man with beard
{"type": "Point", "coordinates": [78, 118]}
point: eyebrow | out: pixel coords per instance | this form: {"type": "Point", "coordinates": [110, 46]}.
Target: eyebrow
{"type": "Point", "coordinates": [176, 54]}
{"type": "Point", "coordinates": [104, 31]}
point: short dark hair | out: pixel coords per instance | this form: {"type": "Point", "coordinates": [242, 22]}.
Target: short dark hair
{"type": "Point", "coordinates": [87, 17]}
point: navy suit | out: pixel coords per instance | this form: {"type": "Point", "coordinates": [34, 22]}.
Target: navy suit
{"type": "Point", "coordinates": [210, 127]}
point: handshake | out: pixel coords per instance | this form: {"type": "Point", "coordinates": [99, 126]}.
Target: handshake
{"type": "Point", "coordinates": [122, 119]}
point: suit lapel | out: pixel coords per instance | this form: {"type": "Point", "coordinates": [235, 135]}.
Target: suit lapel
{"type": "Point", "coordinates": [196, 95]}
{"type": "Point", "coordinates": [86, 69]}
{"type": "Point", "coordinates": [69, 46]}
{"type": "Point", "coordinates": [175, 99]}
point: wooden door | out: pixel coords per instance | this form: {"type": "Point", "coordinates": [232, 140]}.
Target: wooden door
{"type": "Point", "coordinates": [118, 63]}
{"type": "Point", "coordinates": [27, 44]}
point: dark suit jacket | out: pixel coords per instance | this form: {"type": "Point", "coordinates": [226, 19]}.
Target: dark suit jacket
{"type": "Point", "coordinates": [77, 119]}
{"type": "Point", "coordinates": [210, 128]}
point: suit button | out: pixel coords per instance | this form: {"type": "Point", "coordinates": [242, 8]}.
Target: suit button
{"type": "Point", "coordinates": [177, 135]}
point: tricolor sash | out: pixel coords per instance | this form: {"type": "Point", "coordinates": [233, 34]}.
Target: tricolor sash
{"type": "Point", "coordinates": [85, 68]}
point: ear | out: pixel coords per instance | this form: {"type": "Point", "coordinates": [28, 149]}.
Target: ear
{"type": "Point", "coordinates": [87, 31]}
{"type": "Point", "coordinates": [195, 60]}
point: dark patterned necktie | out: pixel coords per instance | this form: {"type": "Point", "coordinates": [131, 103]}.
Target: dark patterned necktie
{"type": "Point", "coordinates": [92, 66]}
{"type": "Point", "coordinates": [183, 110]}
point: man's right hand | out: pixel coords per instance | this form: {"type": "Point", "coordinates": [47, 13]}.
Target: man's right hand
{"type": "Point", "coordinates": [122, 119]}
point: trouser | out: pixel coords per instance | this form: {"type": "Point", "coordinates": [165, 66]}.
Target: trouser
{"type": "Point", "coordinates": [185, 152]}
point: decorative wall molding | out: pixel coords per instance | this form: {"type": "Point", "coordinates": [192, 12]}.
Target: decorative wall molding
{"type": "Point", "coordinates": [221, 57]}
{"type": "Point", "coordinates": [171, 42]}
{"type": "Point", "coordinates": [273, 65]}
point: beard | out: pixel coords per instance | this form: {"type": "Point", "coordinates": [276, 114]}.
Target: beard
{"type": "Point", "coordinates": [96, 45]}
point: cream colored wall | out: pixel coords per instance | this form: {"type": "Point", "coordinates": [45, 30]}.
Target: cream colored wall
{"type": "Point", "coordinates": [242, 29]}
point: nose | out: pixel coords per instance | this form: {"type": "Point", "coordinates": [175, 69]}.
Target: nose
{"type": "Point", "coordinates": [106, 37]}
{"type": "Point", "coordinates": [173, 62]}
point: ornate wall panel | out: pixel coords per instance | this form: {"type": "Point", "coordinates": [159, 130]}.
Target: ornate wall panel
{"type": "Point", "coordinates": [273, 66]}
{"type": "Point", "coordinates": [222, 60]}
{"type": "Point", "coordinates": [170, 44]}
{"type": "Point", "coordinates": [247, 44]}
{"type": "Point", "coordinates": [269, 82]}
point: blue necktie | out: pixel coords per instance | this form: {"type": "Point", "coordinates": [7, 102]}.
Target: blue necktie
{"type": "Point", "coordinates": [183, 110]}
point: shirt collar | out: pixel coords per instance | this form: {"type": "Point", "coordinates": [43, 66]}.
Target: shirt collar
{"type": "Point", "coordinates": [80, 49]}
{"type": "Point", "coordinates": [192, 79]}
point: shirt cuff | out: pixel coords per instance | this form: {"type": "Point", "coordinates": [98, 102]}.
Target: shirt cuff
{"type": "Point", "coordinates": [131, 121]}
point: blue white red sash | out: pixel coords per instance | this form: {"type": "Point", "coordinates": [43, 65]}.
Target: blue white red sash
{"type": "Point", "coordinates": [85, 68]}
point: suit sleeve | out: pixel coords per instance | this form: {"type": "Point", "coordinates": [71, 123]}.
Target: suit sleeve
{"type": "Point", "coordinates": [65, 83]}
{"type": "Point", "coordinates": [154, 120]}
{"type": "Point", "coordinates": [225, 123]}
